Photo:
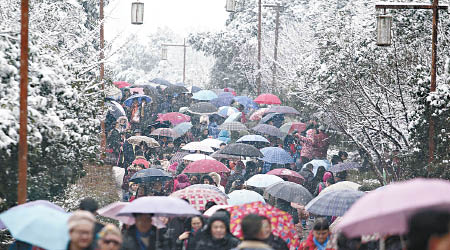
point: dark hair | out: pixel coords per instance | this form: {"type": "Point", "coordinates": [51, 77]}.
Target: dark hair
{"type": "Point", "coordinates": [89, 204]}
{"type": "Point", "coordinates": [425, 224]}
{"type": "Point", "coordinates": [222, 144]}
{"type": "Point", "coordinates": [210, 179]}
{"type": "Point", "coordinates": [209, 204]}
{"type": "Point", "coordinates": [188, 221]}
{"type": "Point", "coordinates": [320, 172]}
{"type": "Point", "coordinates": [251, 226]}
{"type": "Point", "coordinates": [331, 181]}
{"type": "Point", "coordinates": [321, 224]}
{"type": "Point", "coordinates": [342, 153]}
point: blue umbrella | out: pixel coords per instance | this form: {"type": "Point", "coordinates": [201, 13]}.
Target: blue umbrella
{"type": "Point", "coordinates": [38, 225]}
{"type": "Point", "coordinates": [138, 97]}
{"type": "Point", "coordinates": [226, 111]}
{"type": "Point", "coordinates": [333, 203]}
{"type": "Point", "coordinates": [317, 164]}
{"type": "Point", "coordinates": [115, 109]}
{"type": "Point", "coordinates": [253, 138]}
{"type": "Point", "coordinates": [204, 95]}
{"type": "Point", "coordinates": [234, 117]}
{"type": "Point", "coordinates": [247, 102]}
{"type": "Point", "coordinates": [193, 89]}
{"type": "Point", "coordinates": [160, 206]}
{"type": "Point", "coordinates": [182, 128]}
{"type": "Point", "coordinates": [276, 155]}
{"type": "Point", "coordinates": [150, 175]}
{"type": "Point", "coordinates": [222, 100]}
{"type": "Point", "coordinates": [161, 81]}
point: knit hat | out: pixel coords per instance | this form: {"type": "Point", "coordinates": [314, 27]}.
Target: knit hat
{"type": "Point", "coordinates": [80, 217]}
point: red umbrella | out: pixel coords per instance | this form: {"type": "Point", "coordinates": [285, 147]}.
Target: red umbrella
{"type": "Point", "coordinates": [198, 197]}
{"type": "Point", "coordinates": [173, 117]}
{"type": "Point", "coordinates": [205, 166]}
{"type": "Point", "coordinates": [288, 174]}
{"type": "Point", "coordinates": [267, 99]}
{"type": "Point", "coordinates": [122, 84]}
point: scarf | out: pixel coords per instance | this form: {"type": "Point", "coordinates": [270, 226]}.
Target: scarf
{"type": "Point", "coordinates": [140, 235]}
{"type": "Point", "coordinates": [322, 246]}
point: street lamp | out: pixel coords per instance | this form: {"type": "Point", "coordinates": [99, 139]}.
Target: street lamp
{"type": "Point", "coordinates": [384, 24]}
{"type": "Point", "coordinates": [164, 53]}
{"type": "Point", "coordinates": [137, 13]}
{"type": "Point", "coordinates": [230, 5]}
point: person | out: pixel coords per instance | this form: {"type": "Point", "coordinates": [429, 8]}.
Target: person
{"type": "Point", "coordinates": [81, 230]}
{"type": "Point", "coordinates": [132, 191]}
{"type": "Point", "coordinates": [224, 136]}
{"type": "Point", "coordinates": [318, 178]}
{"type": "Point", "coordinates": [113, 142]}
{"type": "Point", "coordinates": [91, 205]}
{"type": "Point", "coordinates": [308, 175]}
{"type": "Point", "coordinates": [142, 235]}
{"type": "Point", "coordinates": [343, 155]}
{"type": "Point", "coordinates": [307, 144]}
{"type": "Point", "coordinates": [319, 237]}
{"type": "Point", "coordinates": [237, 174]}
{"type": "Point", "coordinates": [182, 182]}
{"type": "Point", "coordinates": [216, 235]}
{"type": "Point", "coordinates": [216, 178]}
{"type": "Point", "coordinates": [126, 178]}
{"type": "Point", "coordinates": [429, 230]}
{"type": "Point", "coordinates": [341, 176]}
{"type": "Point", "coordinates": [255, 230]}
{"type": "Point", "coordinates": [206, 179]}
{"type": "Point", "coordinates": [193, 226]}
{"type": "Point", "coordinates": [321, 143]}
{"type": "Point", "coordinates": [213, 128]}
{"type": "Point", "coordinates": [328, 179]}
{"type": "Point", "coordinates": [110, 238]}
{"type": "Point", "coordinates": [194, 180]}
{"type": "Point", "coordinates": [134, 114]}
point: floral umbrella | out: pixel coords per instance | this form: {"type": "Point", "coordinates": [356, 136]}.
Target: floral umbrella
{"type": "Point", "coordinates": [198, 197]}
{"type": "Point", "coordinates": [282, 222]}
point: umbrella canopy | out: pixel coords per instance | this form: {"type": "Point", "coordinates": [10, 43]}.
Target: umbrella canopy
{"type": "Point", "coordinates": [232, 126]}
{"type": "Point", "coordinates": [267, 99]}
{"type": "Point", "coordinates": [268, 130]}
{"type": "Point", "coordinates": [197, 146]}
{"type": "Point", "coordinates": [317, 163]}
{"type": "Point", "coordinates": [240, 197]}
{"type": "Point", "coordinates": [218, 155]}
{"type": "Point", "coordinates": [115, 109]}
{"type": "Point", "coordinates": [113, 93]}
{"type": "Point", "coordinates": [226, 111]}
{"type": "Point", "coordinates": [204, 95]}
{"type": "Point", "coordinates": [197, 157]}
{"type": "Point", "coordinates": [344, 166]}
{"type": "Point", "coordinates": [214, 143]}
{"type": "Point", "coordinates": [173, 117]}
{"type": "Point", "coordinates": [276, 155]}
{"type": "Point", "coordinates": [193, 89]}
{"type": "Point", "coordinates": [290, 191]}
{"type": "Point", "coordinates": [160, 206]}
{"type": "Point", "coordinates": [202, 108]}
{"type": "Point", "coordinates": [258, 114]}
{"type": "Point", "coordinates": [33, 224]}
{"type": "Point", "coordinates": [178, 157]}
{"type": "Point", "coordinates": [137, 140]}
{"type": "Point", "coordinates": [387, 210]}
{"type": "Point", "coordinates": [333, 203]}
{"type": "Point", "coordinates": [121, 84]}
{"type": "Point", "coordinates": [281, 222]}
{"type": "Point", "coordinates": [233, 117]}
{"type": "Point", "coordinates": [166, 132]}
{"type": "Point", "coordinates": [207, 186]}
{"type": "Point", "coordinates": [288, 175]}
{"type": "Point", "coordinates": [198, 197]}
{"type": "Point", "coordinates": [240, 149]}
{"type": "Point", "coordinates": [212, 210]}
{"type": "Point", "coordinates": [252, 138]}
{"type": "Point", "coordinates": [174, 89]}
{"type": "Point", "coordinates": [342, 185]}
{"type": "Point", "coordinates": [182, 128]}
{"type": "Point", "coordinates": [129, 101]}
{"type": "Point", "coordinates": [221, 101]}
{"type": "Point", "coordinates": [262, 180]}
{"type": "Point", "coordinates": [283, 110]}
{"type": "Point", "coordinates": [247, 102]}
{"type": "Point", "coordinates": [290, 127]}
{"type": "Point", "coordinates": [161, 81]}
{"type": "Point", "coordinates": [113, 209]}
{"type": "Point", "coordinates": [205, 166]}
{"type": "Point", "coordinates": [276, 118]}
{"type": "Point", "coordinates": [150, 175]}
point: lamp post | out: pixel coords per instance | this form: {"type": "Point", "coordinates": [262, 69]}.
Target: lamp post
{"type": "Point", "coordinates": [278, 8]}
{"type": "Point", "coordinates": [435, 7]}
{"type": "Point", "coordinates": [164, 54]}
{"type": "Point", "coordinates": [137, 13]}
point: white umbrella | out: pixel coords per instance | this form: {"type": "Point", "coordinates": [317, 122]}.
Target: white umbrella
{"type": "Point", "coordinates": [343, 185]}
{"type": "Point", "coordinates": [197, 157]}
{"type": "Point", "coordinates": [214, 143]}
{"type": "Point", "coordinates": [198, 146]}
{"type": "Point", "coordinates": [263, 180]}
{"type": "Point", "coordinates": [240, 197]}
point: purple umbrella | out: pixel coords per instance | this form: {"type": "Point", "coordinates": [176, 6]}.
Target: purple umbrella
{"type": "Point", "coordinates": [160, 206]}
{"type": "Point", "coordinates": [268, 130]}
{"type": "Point", "coordinates": [344, 166]}
{"type": "Point", "coordinates": [224, 99]}
{"type": "Point", "coordinates": [283, 110]}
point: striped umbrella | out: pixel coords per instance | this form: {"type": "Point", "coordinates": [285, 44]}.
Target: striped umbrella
{"type": "Point", "coordinates": [333, 203]}
{"type": "Point", "coordinates": [232, 126]}
{"type": "Point", "coordinates": [178, 157]}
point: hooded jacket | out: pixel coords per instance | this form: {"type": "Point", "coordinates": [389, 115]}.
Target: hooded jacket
{"type": "Point", "coordinates": [205, 241]}
{"type": "Point", "coordinates": [224, 136]}
{"type": "Point", "coordinates": [183, 182]}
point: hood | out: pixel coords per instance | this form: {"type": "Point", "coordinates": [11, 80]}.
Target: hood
{"type": "Point", "coordinates": [326, 176]}
{"type": "Point", "coordinates": [182, 178]}
{"type": "Point", "coordinates": [224, 133]}
{"type": "Point", "coordinates": [216, 177]}
{"type": "Point", "coordinates": [219, 215]}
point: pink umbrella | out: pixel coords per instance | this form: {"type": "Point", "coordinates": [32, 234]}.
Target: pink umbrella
{"type": "Point", "coordinates": [122, 84]}
{"type": "Point", "coordinates": [137, 91]}
{"type": "Point", "coordinates": [267, 99]}
{"type": "Point", "coordinates": [173, 117]}
{"type": "Point", "coordinates": [288, 175]}
{"type": "Point", "coordinates": [111, 211]}
{"type": "Point", "coordinates": [258, 114]}
{"type": "Point", "coordinates": [205, 166]}
{"type": "Point", "coordinates": [386, 210]}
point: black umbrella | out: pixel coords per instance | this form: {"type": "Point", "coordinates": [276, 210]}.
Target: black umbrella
{"type": "Point", "coordinates": [150, 175]}
{"type": "Point", "coordinates": [161, 81]}
{"type": "Point", "coordinates": [202, 108]}
{"type": "Point", "coordinates": [241, 149]}
{"type": "Point", "coordinates": [290, 191]}
{"type": "Point", "coordinates": [268, 130]}
{"type": "Point", "coordinates": [174, 89]}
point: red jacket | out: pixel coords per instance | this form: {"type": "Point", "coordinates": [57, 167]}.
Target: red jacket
{"type": "Point", "coordinates": [308, 244]}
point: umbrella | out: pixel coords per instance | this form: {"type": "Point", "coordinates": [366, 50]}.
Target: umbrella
{"type": "Point", "coordinates": [212, 210]}
{"type": "Point", "coordinates": [282, 222]}
{"type": "Point", "coordinates": [33, 224]}
{"type": "Point", "coordinates": [174, 89]}
{"type": "Point", "coordinates": [115, 109]}
{"type": "Point", "coordinates": [317, 163]}
{"type": "Point", "coordinates": [166, 132]}
{"type": "Point", "coordinates": [113, 93]}
{"type": "Point", "coordinates": [240, 149]}
{"type": "Point", "coordinates": [219, 102]}
{"type": "Point", "coordinates": [252, 138]}
{"type": "Point", "coordinates": [137, 91]}
{"type": "Point", "coordinates": [283, 110]}
{"type": "Point", "coordinates": [121, 85]}
{"type": "Point", "coordinates": [268, 130]}
{"type": "Point", "coordinates": [113, 209]}
{"type": "Point", "coordinates": [197, 157]}
{"type": "Point", "coordinates": [258, 114]}
{"type": "Point", "coordinates": [240, 197]}
{"type": "Point", "coordinates": [386, 210]}
{"type": "Point", "coordinates": [178, 157]}
{"type": "Point", "coordinates": [246, 101]}
{"type": "Point", "coordinates": [204, 95]}
{"type": "Point", "coordinates": [197, 146]}
{"type": "Point", "coordinates": [173, 117]}
{"type": "Point", "coordinates": [202, 108]}
{"type": "Point", "coordinates": [263, 180]}
{"type": "Point", "coordinates": [205, 166]}
{"type": "Point", "coordinates": [290, 191]}
{"type": "Point", "coordinates": [207, 186]}
{"type": "Point", "coordinates": [137, 140]}
{"type": "Point", "coordinates": [288, 175]}
{"type": "Point", "coordinates": [267, 99]}
{"type": "Point", "coordinates": [150, 175]}
{"type": "Point", "coordinates": [290, 127]}
{"type": "Point", "coordinates": [218, 155]}
{"type": "Point", "coordinates": [128, 102]}
{"type": "Point", "coordinates": [276, 118]}
{"type": "Point", "coordinates": [276, 155]}
{"type": "Point", "coordinates": [182, 128]}
{"type": "Point", "coordinates": [161, 82]}
{"type": "Point", "coordinates": [233, 117]}
{"type": "Point", "coordinates": [342, 185]}
{"type": "Point", "coordinates": [226, 111]}
{"type": "Point", "coordinates": [232, 126]}
{"type": "Point", "coordinates": [198, 197]}
{"type": "Point", "coordinates": [193, 89]}
{"type": "Point", "coordinates": [344, 166]}
{"type": "Point", "coordinates": [333, 203]}
{"type": "Point", "coordinates": [160, 206]}
{"type": "Point", "coordinates": [214, 143]}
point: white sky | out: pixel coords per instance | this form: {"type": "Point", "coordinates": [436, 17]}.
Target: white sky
{"type": "Point", "coordinates": [181, 16]}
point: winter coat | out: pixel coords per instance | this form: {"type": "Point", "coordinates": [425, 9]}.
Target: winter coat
{"type": "Point", "coordinates": [174, 229]}
{"type": "Point", "coordinates": [309, 179]}
{"type": "Point", "coordinates": [126, 179]}
{"type": "Point", "coordinates": [114, 141]}
{"type": "Point", "coordinates": [187, 244]}
{"type": "Point", "coordinates": [308, 244]}
{"type": "Point", "coordinates": [253, 245]}
{"type": "Point", "coordinates": [232, 179]}
{"type": "Point", "coordinates": [276, 243]}
{"type": "Point", "coordinates": [307, 143]}
{"type": "Point", "coordinates": [224, 136]}
{"type": "Point", "coordinates": [205, 241]}
{"type": "Point", "coordinates": [183, 182]}
{"type": "Point", "coordinates": [130, 242]}
{"type": "Point", "coordinates": [321, 143]}
{"type": "Point", "coordinates": [213, 130]}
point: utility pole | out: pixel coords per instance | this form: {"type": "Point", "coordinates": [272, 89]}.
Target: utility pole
{"type": "Point", "coordinates": [275, 50]}
{"type": "Point", "coordinates": [102, 74]}
{"type": "Point", "coordinates": [258, 78]}
{"type": "Point", "coordinates": [23, 119]}
{"type": "Point", "coordinates": [164, 55]}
